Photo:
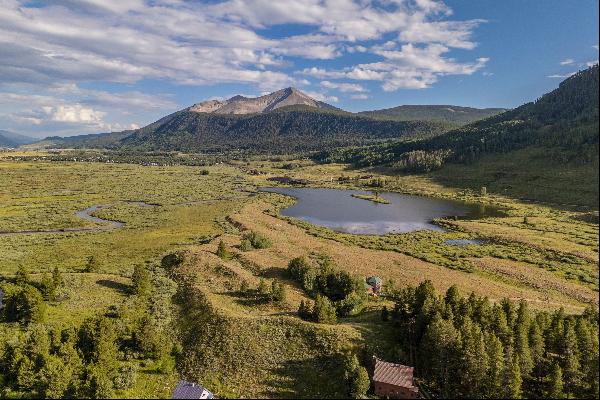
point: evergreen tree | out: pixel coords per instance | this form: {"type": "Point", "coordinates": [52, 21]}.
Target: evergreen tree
{"type": "Point", "coordinates": [588, 354]}
{"type": "Point", "coordinates": [571, 370]}
{"type": "Point", "coordinates": [509, 310]}
{"type": "Point", "coordinates": [57, 278]}
{"type": "Point", "coordinates": [440, 360]}
{"type": "Point", "coordinates": [360, 383]}
{"type": "Point", "coordinates": [538, 348]}
{"type": "Point", "coordinates": [140, 281]}
{"type": "Point", "coordinates": [324, 311]}
{"type": "Point", "coordinates": [385, 314]}
{"type": "Point", "coordinates": [278, 292]}
{"type": "Point", "coordinates": [452, 297]}
{"type": "Point", "coordinates": [356, 377]}
{"type": "Point", "coordinates": [22, 276]}
{"type": "Point", "coordinates": [500, 325]}
{"type": "Point", "coordinates": [92, 265]}
{"type": "Point", "coordinates": [521, 339]}
{"type": "Point", "coordinates": [495, 373]}
{"type": "Point", "coordinates": [474, 360]}
{"type": "Point", "coordinates": [304, 311]}
{"type": "Point", "coordinates": [556, 383]}
{"type": "Point", "coordinates": [26, 305]}
{"type": "Point", "coordinates": [513, 381]}
{"type": "Point", "coordinates": [47, 287]}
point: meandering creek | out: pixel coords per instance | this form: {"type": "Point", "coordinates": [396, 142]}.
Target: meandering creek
{"type": "Point", "coordinates": [87, 215]}
{"type": "Point", "coordinates": [338, 210]}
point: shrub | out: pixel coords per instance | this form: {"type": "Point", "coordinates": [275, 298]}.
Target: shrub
{"type": "Point", "coordinates": [262, 287]}
{"type": "Point", "coordinates": [257, 241]}
{"type": "Point", "coordinates": [171, 260]}
{"type": "Point", "coordinates": [92, 265]}
{"type": "Point", "coordinates": [126, 377]}
{"type": "Point", "coordinates": [245, 245]}
{"type": "Point", "coordinates": [351, 304]}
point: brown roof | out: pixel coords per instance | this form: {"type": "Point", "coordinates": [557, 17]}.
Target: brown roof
{"type": "Point", "coordinates": [393, 374]}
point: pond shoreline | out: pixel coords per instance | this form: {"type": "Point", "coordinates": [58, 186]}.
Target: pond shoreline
{"type": "Point", "coordinates": [346, 211]}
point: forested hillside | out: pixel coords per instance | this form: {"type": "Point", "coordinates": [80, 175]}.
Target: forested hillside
{"type": "Point", "coordinates": [467, 347]}
{"type": "Point", "coordinates": [292, 129]}
{"type": "Point", "coordinates": [559, 131]}
{"type": "Point", "coordinates": [444, 113]}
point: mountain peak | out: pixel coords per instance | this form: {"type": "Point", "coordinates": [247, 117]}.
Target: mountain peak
{"type": "Point", "coordinates": [252, 105]}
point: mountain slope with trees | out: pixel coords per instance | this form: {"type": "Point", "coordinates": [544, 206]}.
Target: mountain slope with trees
{"type": "Point", "coordinates": [291, 129]}
{"type": "Point", "coordinates": [545, 144]}
{"type": "Point", "coordinates": [439, 113]}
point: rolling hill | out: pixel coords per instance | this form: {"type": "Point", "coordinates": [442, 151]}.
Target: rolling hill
{"type": "Point", "coordinates": [543, 150]}
{"type": "Point", "coordinates": [437, 113]}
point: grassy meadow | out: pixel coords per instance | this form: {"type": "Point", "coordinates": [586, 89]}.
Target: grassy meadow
{"type": "Point", "coordinates": [235, 341]}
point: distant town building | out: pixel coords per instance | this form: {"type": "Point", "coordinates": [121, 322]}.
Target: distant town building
{"type": "Point", "coordinates": [373, 284]}
{"type": "Point", "coordinates": [190, 390]}
{"type": "Point", "coordinates": [393, 381]}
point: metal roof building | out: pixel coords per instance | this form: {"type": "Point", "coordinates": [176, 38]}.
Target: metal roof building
{"type": "Point", "coordinates": [190, 390]}
{"type": "Point", "coordinates": [394, 380]}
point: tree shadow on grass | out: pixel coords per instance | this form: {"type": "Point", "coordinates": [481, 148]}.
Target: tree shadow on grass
{"type": "Point", "coordinates": [119, 287]}
{"type": "Point", "coordinates": [249, 298]}
{"type": "Point", "coordinates": [275, 273]}
{"type": "Point", "coordinates": [314, 377]}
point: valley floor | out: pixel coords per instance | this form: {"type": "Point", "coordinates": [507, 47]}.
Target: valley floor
{"type": "Point", "coordinates": [234, 342]}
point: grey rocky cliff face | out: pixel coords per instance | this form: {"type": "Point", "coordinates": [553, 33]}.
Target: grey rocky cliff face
{"type": "Point", "coordinates": [245, 105]}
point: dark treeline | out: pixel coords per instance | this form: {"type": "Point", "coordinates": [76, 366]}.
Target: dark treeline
{"type": "Point", "coordinates": [131, 157]}
{"type": "Point", "coordinates": [469, 347]}
{"type": "Point", "coordinates": [564, 120]}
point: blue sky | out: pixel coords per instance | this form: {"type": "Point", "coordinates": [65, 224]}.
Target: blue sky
{"type": "Point", "coordinates": [86, 66]}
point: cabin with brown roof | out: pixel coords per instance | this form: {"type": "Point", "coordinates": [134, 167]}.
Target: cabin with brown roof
{"type": "Point", "coordinates": [393, 381]}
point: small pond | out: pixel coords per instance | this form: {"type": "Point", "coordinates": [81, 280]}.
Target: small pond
{"type": "Point", "coordinates": [338, 210]}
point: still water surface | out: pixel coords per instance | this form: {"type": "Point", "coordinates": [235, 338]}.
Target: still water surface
{"type": "Point", "coordinates": [338, 210]}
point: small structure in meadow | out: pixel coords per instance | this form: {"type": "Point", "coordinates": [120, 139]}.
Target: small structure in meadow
{"type": "Point", "coordinates": [393, 381]}
{"type": "Point", "coordinates": [373, 285]}
{"type": "Point", "coordinates": [190, 390]}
